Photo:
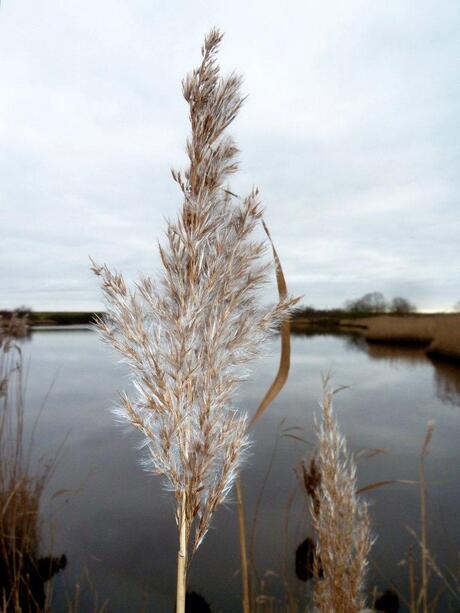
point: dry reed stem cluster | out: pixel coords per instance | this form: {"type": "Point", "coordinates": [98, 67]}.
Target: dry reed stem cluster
{"type": "Point", "coordinates": [439, 333]}
{"type": "Point", "coordinates": [340, 521]}
{"type": "Point", "coordinates": [19, 493]}
{"type": "Point", "coordinates": [20, 490]}
{"type": "Point", "coordinates": [188, 334]}
{"type": "Point", "coordinates": [446, 342]}
{"type": "Point", "coordinates": [422, 597]}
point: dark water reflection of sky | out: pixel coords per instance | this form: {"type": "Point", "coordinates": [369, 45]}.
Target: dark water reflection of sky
{"type": "Point", "coordinates": [116, 524]}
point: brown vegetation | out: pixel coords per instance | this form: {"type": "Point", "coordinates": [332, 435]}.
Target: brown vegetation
{"type": "Point", "coordinates": [23, 573]}
{"type": "Point", "coordinates": [12, 325]}
{"type": "Point", "coordinates": [446, 343]}
{"type": "Point", "coordinates": [438, 333]}
{"type": "Point", "coordinates": [27, 317]}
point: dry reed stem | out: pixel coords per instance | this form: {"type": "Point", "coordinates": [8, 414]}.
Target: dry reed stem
{"type": "Point", "coordinates": [419, 601]}
{"type": "Point", "coordinates": [423, 598]}
{"type": "Point", "coordinates": [20, 490]}
{"type": "Point", "coordinates": [411, 574]}
{"type": "Point", "coordinates": [243, 547]}
{"type": "Point", "coordinates": [181, 589]}
{"type": "Point", "coordinates": [291, 603]}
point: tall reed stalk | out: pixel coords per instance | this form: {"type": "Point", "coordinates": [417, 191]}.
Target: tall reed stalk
{"type": "Point", "coordinates": [423, 519]}
{"type": "Point", "coordinates": [187, 334]}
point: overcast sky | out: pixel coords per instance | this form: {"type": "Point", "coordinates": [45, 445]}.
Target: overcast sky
{"type": "Point", "coordinates": [351, 130]}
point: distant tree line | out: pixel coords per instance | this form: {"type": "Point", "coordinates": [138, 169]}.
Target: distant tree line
{"type": "Point", "coordinates": [375, 302]}
{"type": "Point", "coordinates": [54, 318]}
{"type": "Point", "coordinates": [369, 304]}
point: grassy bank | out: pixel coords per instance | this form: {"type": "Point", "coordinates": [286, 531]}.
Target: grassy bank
{"type": "Point", "coordinates": [55, 318]}
{"type": "Point", "coordinates": [439, 333]}
{"type": "Point", "coordinates": [62, 318]}
{"type": "Point", "coordinates": [311, 321]}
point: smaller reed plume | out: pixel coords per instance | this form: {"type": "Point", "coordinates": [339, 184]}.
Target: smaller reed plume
{"type": "Point", "coordinates": [340, 520]}
{"type": "Point", "coordinates": [187, 334]}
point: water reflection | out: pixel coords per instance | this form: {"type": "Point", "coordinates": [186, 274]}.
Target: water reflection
{"type": "Point", "coordinates": [380, 351]}
{"type": "Point", "coordinates": [446, 375]}
{"type": "Point", "coordinates": [119, 527]}
{"type": "Point", "coordinates": [395, 355]}
{"type": "Point", "coordinates": [447, 382]}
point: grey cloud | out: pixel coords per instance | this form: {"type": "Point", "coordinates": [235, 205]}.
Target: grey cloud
{"type": "Point", "coordinates": [350, 130]}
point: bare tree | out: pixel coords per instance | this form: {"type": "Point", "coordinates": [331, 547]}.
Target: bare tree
{"type": "Point", "coordinates": [373, 302]}
{"type": "Point", "coordinates": [401, 306]}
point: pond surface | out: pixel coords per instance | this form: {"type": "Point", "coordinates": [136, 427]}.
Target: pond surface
{"type": "Point", "coordinates": [116, 525]}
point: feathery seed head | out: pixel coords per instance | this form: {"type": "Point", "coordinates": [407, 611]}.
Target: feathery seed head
{"type": "Point", "coordinates": [340, 520]}
{"type": "Point", "coordinates": [187, 334]}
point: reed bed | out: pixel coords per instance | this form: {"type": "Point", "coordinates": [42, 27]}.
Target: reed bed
{"type": "Point", "coordinates": [438, 333]}
{"type": "Point", "coordinates": [20, 490]}
{"type": "Point", "coordinates": [24, 572]}
{"type": "Point", "coordinates": [446, 343]}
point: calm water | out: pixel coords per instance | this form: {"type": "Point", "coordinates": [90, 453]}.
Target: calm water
{"type": "Point", "coordinates": [115, 524]}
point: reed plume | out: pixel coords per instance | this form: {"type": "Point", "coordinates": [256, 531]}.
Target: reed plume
{"type": "Point", "coordinates": [340, 520]}
{"type": "Point", "coordinates": [187, 334]}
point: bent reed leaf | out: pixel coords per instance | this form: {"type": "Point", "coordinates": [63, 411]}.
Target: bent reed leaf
{"type": "Point", "coordinates": [285, 335]}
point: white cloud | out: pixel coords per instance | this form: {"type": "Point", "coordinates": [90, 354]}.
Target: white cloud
{"type": "Point", "coordinates": [350, 130]}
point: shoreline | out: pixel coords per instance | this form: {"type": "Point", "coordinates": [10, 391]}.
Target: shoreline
{"type": "Point", "coordinates": [437, 333]}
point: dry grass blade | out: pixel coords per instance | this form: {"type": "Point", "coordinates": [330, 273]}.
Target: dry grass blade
{"type": "Point", "coordinates": [377, 484]}
{"type": "Point", "coordinates": [423, 598]}
{"type": "Point", "coordinates": [370, 452]}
